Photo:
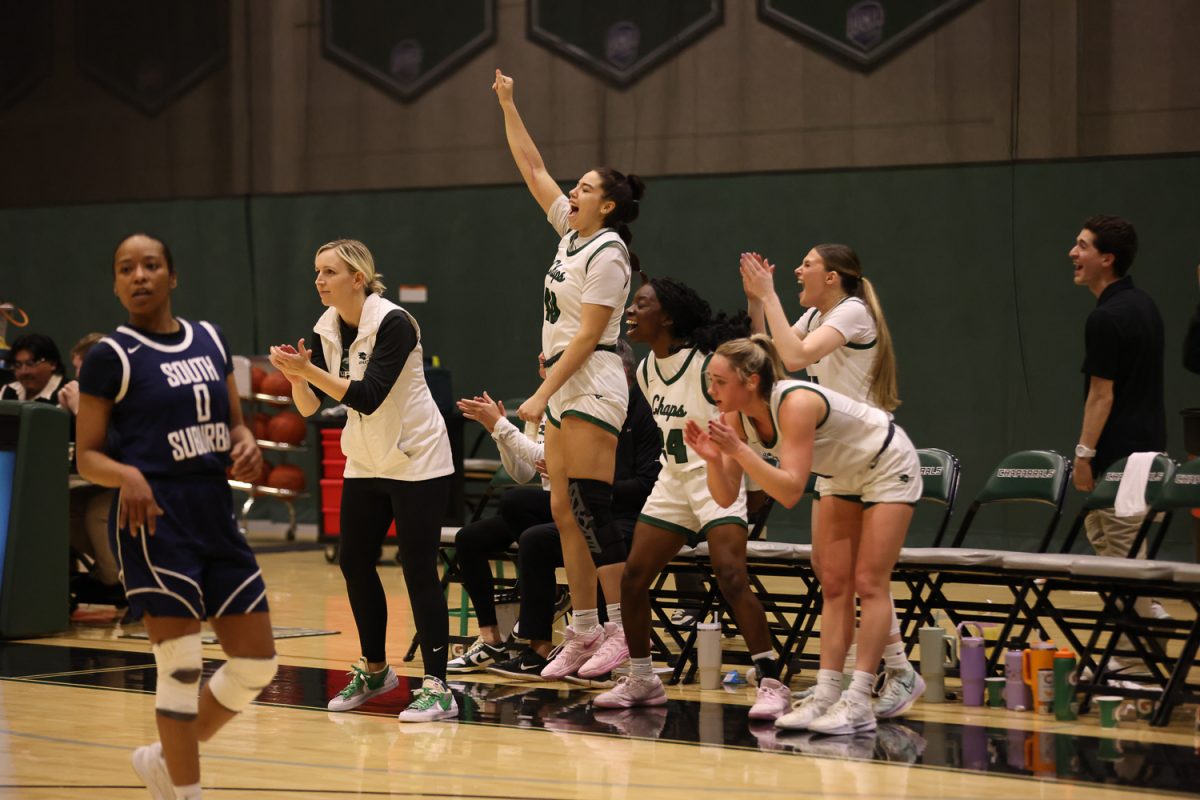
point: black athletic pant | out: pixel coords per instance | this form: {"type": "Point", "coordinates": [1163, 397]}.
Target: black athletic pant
{"type": "Point", "coordinates": [477, 542]}
{"type": "Point", "coordinates": [368, 507]}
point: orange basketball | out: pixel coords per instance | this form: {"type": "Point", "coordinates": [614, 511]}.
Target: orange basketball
{"type": "Point", "coordinates": [256, 378]}
{"type": "Point", "coordinates": [275, 383]}
{"type": "Point", "coordinates": [261, 421]}
{"type": "Point", "coordinates": [287, 476]}
{"type": "Point", "coordinates": [286, 427]}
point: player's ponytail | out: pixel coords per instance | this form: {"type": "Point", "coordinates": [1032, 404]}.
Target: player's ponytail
{"type": "Point", "coordinates": [625, 191]}
{"type": "Point", "coordinates": [754, 356]}
{"type": "Point", "coordinates": [842, 259]}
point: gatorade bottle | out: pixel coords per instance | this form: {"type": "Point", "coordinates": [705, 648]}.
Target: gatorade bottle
{"type": "Point", "coordinates": [1064, 685]}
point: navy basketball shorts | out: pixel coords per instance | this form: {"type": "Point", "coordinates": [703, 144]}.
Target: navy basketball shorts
{"type": "Point", "coordinates": [197, 563]}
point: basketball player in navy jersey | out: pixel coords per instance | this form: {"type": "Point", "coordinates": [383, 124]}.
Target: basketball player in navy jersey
{"type": "Point", "coordinates": [159, 421]}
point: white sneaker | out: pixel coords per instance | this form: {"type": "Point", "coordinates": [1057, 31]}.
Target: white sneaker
{"type": "Point", "coordinates": [901, 688]}
{"type": "Point", "coordinates": [631, 691]}
{"type": "Point", "coordinates": [478, 657]}
{"type": "Point", "coordinates": [433, 701]}
{"type": "Point", "coordinates": [803, 713]}
{"type": "Point", "coordinates": [149, 765]}
{"type": "Point", "coordinates": [771, 700]}
{"type": "Point", "coordinates": [844, 718]}
{"type": "Point", "coordinates": [363, 686]}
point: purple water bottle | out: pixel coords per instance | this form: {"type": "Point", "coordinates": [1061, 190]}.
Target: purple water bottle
{"type": "Point", "coordinates": [1016, 693]}
{"type": "Point", "coordinates": [972, 664]}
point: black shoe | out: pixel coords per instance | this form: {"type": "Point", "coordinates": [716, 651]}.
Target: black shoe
{"type": "Point", "coordinates": [562, 601]}
{"type": "Point", "coordinates": [527, 666]}
{"type": "Point", "coordinates": [478, 657]}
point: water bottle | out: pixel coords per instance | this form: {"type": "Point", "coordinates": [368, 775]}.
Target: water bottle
{"type": "Point", "coordinates": [1016, 694]}
{"type": "Point", "coordinates": [1064, 685]}
{"type": "Point", "coordinates": [937, 652]}
{"type": "Point", "coordinates": [708, 654]}
{"type": "Point", "coordinates": [972, 665]}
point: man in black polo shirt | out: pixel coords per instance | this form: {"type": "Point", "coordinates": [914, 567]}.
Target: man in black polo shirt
{"type": "Point", "coordinates": [1123, 411]}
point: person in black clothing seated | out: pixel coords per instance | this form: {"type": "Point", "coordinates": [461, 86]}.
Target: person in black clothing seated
{"type": "Point", "coordinates": [38, 368]}
{"type": "Point", "coordinates": [524, 517]}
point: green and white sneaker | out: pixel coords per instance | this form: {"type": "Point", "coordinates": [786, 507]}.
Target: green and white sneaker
{"type": "Point", "coordinates": [363, 686]}
{"type": "Point", "coordinates": [433, 701]}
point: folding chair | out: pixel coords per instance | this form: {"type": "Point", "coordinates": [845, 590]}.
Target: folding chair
{"type": "Point", "coordinates": [499, 483]}
{"type": "Point", "coordinates": [940, 476]}
{"type": "Point", "coordinates": [1104, 496]}
{"type": "Point", "coordinates": [1075, 623]}
{"type": "Point", "coordinates": [1037, 477]}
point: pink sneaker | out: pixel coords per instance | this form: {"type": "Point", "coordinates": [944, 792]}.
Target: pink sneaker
{"type": "Point", "coordinates": [773, 699]}
{"type": "Point", "coordinates": [631, 691]}
{"type": "Point", "coordinates": [612, 654]}
{"type": "Point", "coordinates": [574, 652]}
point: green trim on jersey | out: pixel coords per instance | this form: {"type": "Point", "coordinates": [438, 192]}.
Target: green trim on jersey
{"type": "Point", "coordinates": [596, 252]}
{"type": "Point", "coordinates": [550, 418]}
{"type": "Point", "coordinates": [786, 392]}
{"type": "Point", "coordinates": [724, 521]}
{"type": "Point", "coordinates": [599, 423]}
{"type": "Point", "coordinates": [677, 375]}
{"type": "Point", "coordinates": [645, 372]}
{"type": "Point", "coordinates": [666, 526]}
{"type": "Point", "coordinates": [704, 380]}
{"type": "Point", "coordinates": [592, 240]}
{"type": "Point", "coordinates": [866, 346]}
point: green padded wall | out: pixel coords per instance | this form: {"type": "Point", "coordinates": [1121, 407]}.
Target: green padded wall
{"type": "Point", "coordinates": [970, 262]}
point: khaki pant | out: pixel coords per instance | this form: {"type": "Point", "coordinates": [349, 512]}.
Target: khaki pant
{"type": "Point", "coordinates": [89, 530]}
{"type": "Point", "coordinates": [1111, 535]}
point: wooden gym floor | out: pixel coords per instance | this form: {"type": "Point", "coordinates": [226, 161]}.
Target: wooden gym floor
{"type": "Point", "coordinates": [73, 707]}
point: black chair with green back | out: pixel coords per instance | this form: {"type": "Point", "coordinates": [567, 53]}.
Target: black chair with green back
{"type": "Point", "coordinates": [1104, 496]}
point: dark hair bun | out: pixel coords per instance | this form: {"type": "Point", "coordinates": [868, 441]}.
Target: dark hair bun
{"type": "Point", "coordinates": [637, 187]}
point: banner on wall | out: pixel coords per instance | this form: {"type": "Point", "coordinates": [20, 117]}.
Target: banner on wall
{"type": "Point", "coordinates": [405, 46]}
{"type": "Point", "coordinates": [865, 32]}
{"type": "Point", "coordinates": [26, 47]}
{"type": "Point", "coordinates": [149, 53]}
{"type": "Point", "coordinates": [621, 40]}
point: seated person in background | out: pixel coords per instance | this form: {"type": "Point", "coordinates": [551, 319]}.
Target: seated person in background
{"type": "Point", "coordinates": [525, 515]}
{"type": "Point", "coordinates": [522, 454]}
{"type": "Point", "coordinates": [68, 395]}
{"type": "Point", "coordinates": [38, 368]}
{"type": "Point", "coordinates": [100, 580]}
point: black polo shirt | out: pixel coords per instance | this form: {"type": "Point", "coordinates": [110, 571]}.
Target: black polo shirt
{"type": "Point", "coordinates": [1124, 344]}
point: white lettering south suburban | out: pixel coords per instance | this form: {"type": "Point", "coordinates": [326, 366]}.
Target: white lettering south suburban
{"type": "Point", "coordinates": [187, 371]}
{"type": "Point", "coordinates": [199, 440]}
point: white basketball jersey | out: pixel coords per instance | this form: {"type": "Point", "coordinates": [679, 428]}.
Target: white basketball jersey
{"type": "Point", "coordinates": [848, 437]}
{"type": "Point", "coordinates": [847, 369]}
{"type": "Point", "coordinates": [674, 388]}
{"type": "Point", "coordinates": [568, 285]}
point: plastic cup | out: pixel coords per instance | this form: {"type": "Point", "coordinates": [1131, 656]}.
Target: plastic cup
{"type": "Point", "coordinates": [995, 692]}
{"type": "Point", "coordinates": [1108, 710]}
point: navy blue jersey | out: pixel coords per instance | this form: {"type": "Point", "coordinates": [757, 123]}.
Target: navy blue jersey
{"type": "Point", "coordinates": [170, 414]}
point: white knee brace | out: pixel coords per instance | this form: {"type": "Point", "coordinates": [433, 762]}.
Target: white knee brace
{"type": "Point", "coordinates": [239, 680]}
{"type": "Point", "coordinates": [179, 663]}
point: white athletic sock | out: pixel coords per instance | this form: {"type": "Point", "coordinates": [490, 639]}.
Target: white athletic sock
{"type": "Point", "coordinates": [583, 620]}
{"type": "Point", "coordinates": [641, 668]}
{"type": "Point", "coordinates": [860, 687]}
{"type": "Point", "coordinates": [189, 792]}
{"type": "Point", "coordinates": [829, 685]}
{"type": "Point", "coordinates": [614, 613]}
{"type": "Point", "coordinates": [849, 664]}
{"type": "Point", "coordinates": [894, 658]}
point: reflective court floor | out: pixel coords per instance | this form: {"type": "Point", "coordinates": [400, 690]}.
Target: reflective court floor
{"type": "Point", "coordinates": [73, 707]}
